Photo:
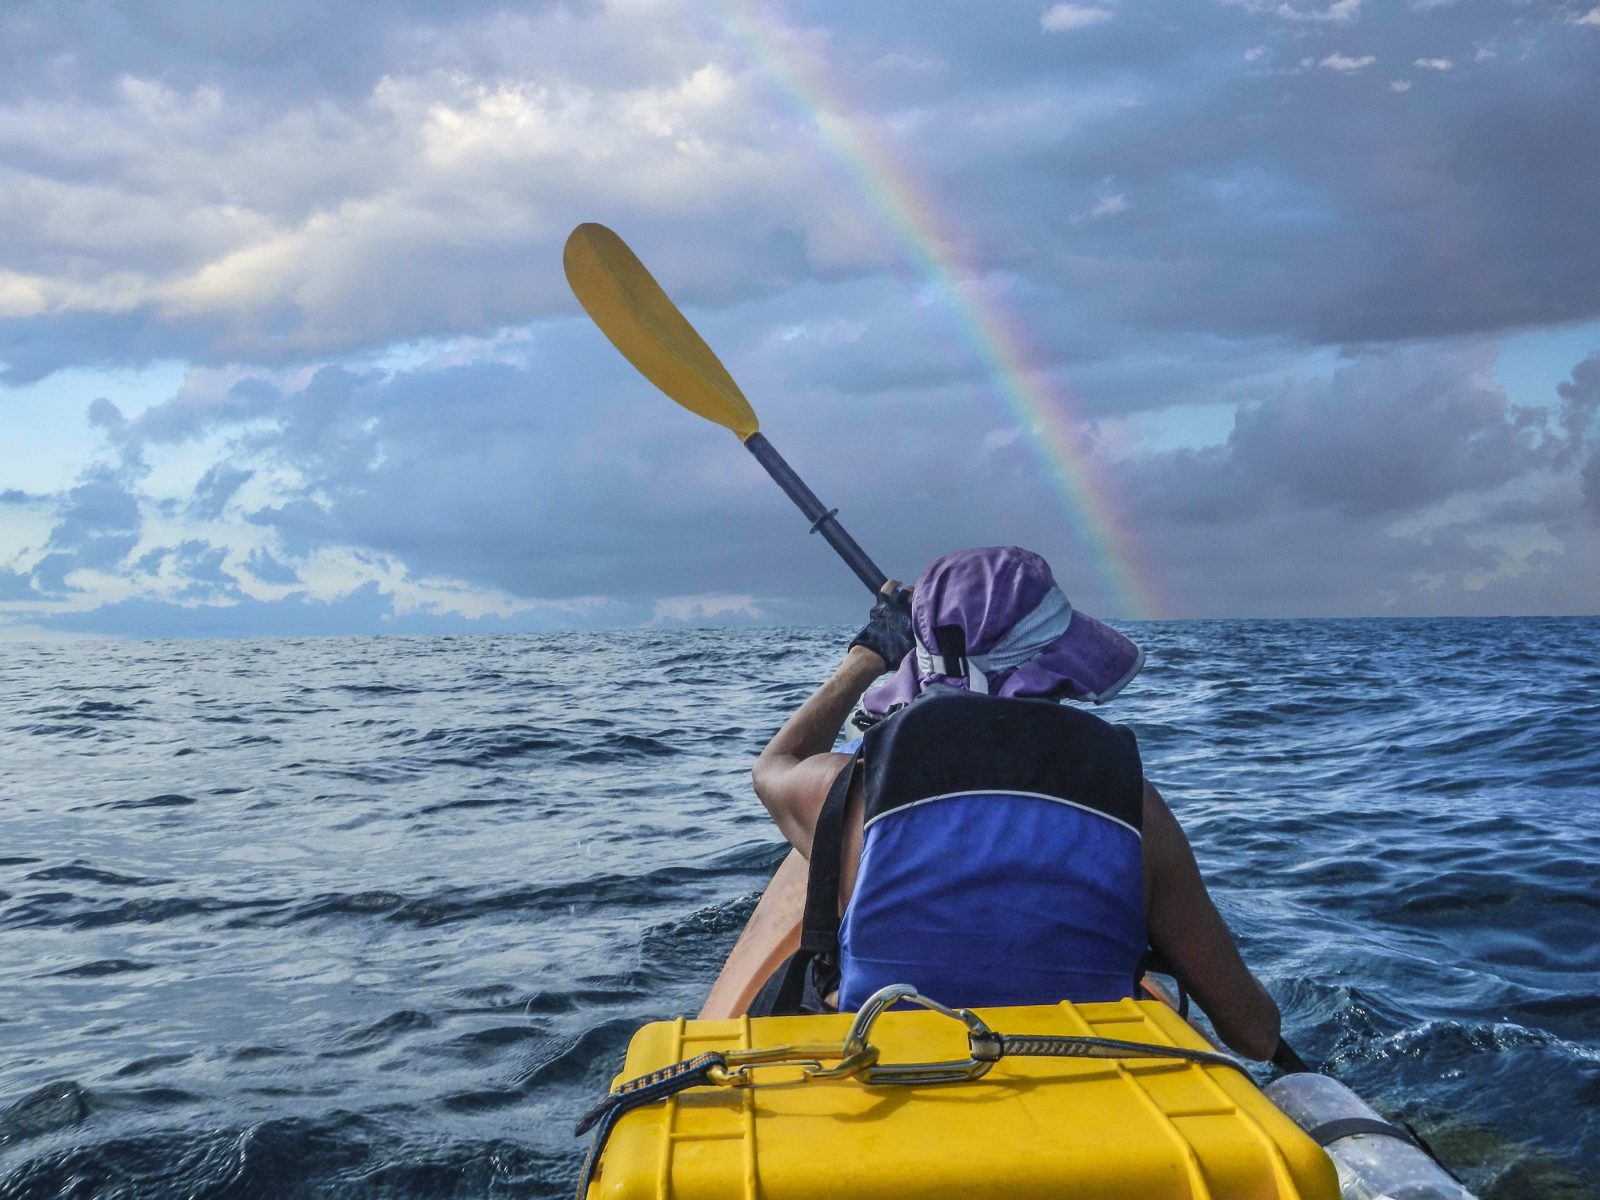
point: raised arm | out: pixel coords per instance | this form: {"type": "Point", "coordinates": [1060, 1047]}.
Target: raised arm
{"type": "Point", "coordinates": [1187, 930]}
{"type": "Point", "coordinates": [793, 774]}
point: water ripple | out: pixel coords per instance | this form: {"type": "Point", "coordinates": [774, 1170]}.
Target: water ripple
{"type": "Point", "coordinates": [376, 917]}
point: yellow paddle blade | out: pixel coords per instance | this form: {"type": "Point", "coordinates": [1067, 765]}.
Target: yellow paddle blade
{"type": "Point", "coordinates": [628, 304]}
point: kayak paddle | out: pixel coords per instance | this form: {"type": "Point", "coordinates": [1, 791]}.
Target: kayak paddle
{"type": "Point", "coordinates": [631, 309]}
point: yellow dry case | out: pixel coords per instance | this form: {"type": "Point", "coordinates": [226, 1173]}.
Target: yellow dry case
{"type": "Point", "coordinates": [1045, 1127]}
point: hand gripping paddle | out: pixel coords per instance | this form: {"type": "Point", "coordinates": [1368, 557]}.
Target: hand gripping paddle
{"type": "Point", "coordinates": [629, 306]}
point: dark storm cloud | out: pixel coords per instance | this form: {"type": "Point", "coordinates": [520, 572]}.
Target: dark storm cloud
{"type": "Point", "coordinates": [1274, 197]}
{"type": "Point", "coordinates": [1320, 501]}
{"type": "Point", "coordinates": [216, 487]}
{"type": "Point", "coordinates": [1330, 208]}
{"type": "Point", "coordinates": [284, 50]}
{"type": "Point", "coordinates": [33, 348]}
{"type": "Point", "coordinates": [1176, 205]}
{"type": "Point", "coordinates": [1580, 402]}
{"type": "Point", "coordinates": [98, 527]}
{"type": "Point", "coordinates": [1283, 560]}
{"type": "Point", "coordinates": [198, 564]}
{"type": "Point", "coordinates": [1388, 433]}
{"type": "Point", "coordinates": [1580, 397]}
{"type": "Point", "coordinates": [301, 525]}
{"type": "Point", "coordinates": [266, 567]}
{"type": "Point", "coordinates": [201, 564]}
{"type": "Point", "coordinates": [357, 176]}
{"type": "Point", "coordinates": [571, 477]}
{"type": "Point", "coordinates": [1395, 432]}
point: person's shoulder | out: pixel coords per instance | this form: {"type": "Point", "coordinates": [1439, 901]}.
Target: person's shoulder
{"type": "Point", "coordinates": [1159, 819]}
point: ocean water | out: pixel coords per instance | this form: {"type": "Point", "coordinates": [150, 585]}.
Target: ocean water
{"type": "Point", "coordinates": [376, 917]}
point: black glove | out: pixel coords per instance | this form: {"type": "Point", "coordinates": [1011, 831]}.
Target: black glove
{"type": "Point", "coordinates": [887, 632]}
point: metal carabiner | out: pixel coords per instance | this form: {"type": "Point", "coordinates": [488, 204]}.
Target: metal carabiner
{"type": "Point", "coordinates": [860, 1057]}
{"type": "Point", "coordinates": [809, 1056]}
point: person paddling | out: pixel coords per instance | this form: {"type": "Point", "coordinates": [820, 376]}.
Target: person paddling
{"type": "Point", "coordinates": [985, 842]}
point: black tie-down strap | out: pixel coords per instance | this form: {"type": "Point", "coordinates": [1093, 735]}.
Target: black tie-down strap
{"type": "Point", "coordinates": [995, 1046]}
{"type": "Point", "coordinates": [636, 1093]}
{"type": "Point", "coordinates": [819, 931]}
{"type": "Point", "coordinates": [1330, 1132]}
{"type": "Point", "coordinates": [858, 1058]}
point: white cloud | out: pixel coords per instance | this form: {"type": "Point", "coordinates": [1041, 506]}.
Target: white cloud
{"type": "Point", "coordinates": [1343, 62]}
{"type": "Point", "coordinates": [304, 226]}
{"type": "Point", "coordinates": [999, 439]}
{"type": "Point", "coordinates": [1435, 64]}
{"type": "Point", "coordinates": [427, 194]}
{"type": "Point", "coordinates": [1106, 206]}
{"type": "Point", "coordinates": [1592, 17]}
{"type": "Point", "coordinates": [22, 632]}
{"type": "Point", "coordinates": [712, 608]}
{"type": "Point", "coordinates": [824, 331]}
{"type": "Point", "coordinates": [1061, 17]}
{"type": "Point", "coordinates": [898, 61]}
{"type": "Point", "coordinates": [1341, 12]}
{"type": "Point", "coordinates": [22, 295]}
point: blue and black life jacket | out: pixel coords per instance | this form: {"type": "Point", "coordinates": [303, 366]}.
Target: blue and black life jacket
{"type": "Point", "coordinates": [1001, 861]}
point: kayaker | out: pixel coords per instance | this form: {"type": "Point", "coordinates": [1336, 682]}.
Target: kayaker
{"type": "Point", "coordinates": [993, 846]}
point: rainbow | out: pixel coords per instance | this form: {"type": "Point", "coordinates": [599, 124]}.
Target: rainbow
{"type": "Point", "coordinates": [1084, 490]}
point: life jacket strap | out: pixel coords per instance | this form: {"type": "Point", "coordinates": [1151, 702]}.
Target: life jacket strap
{"type": "Point", "coordinates": [952, 660]}
{"type": "Point", "coordinates": [819, 929]}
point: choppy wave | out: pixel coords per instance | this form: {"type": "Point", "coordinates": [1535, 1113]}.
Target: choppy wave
{"type": "Point", "coordinates": [376, 917]}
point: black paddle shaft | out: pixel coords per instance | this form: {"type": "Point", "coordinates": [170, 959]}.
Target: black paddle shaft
{"type": "Point", "coordinates": [1287, 1061]}
{"type": "Point", "coordinates": [823, 520]}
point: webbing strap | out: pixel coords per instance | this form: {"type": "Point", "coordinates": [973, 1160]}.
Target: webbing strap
{"type": "Point", "coordinates": [819, 929]}
{"type": "Point", "coordinates": [819, 934]}
{"type": "Point", "coordinates": [1332, 1131]}
{"type": "Point", "coordinates": [1031, 1045]}
{"type": "Point", "coordinates": [635, 1093]}
{"type": "Point", "coordinates": [987, 1047]}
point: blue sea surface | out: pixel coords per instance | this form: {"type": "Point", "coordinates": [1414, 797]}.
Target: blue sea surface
{"type": "Point", "coordinates": [376, 917]}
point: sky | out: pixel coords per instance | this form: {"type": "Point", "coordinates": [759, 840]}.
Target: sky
{"type": "Point", "coordinates": [1231, 308]}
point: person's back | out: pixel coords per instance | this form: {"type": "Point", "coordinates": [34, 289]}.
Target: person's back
{"type": "Point", "coordinates": [991, 848]}
{"type": "Point", "coordinates": [1001, 857]}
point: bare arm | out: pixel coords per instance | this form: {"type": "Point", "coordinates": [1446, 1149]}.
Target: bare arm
{"type": "Point", "coordinates": [1189, 932]}
{"type": "Point", "coordinates": [793, 774]}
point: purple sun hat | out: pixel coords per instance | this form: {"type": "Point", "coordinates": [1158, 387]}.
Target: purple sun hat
{"type": "Point", "coordinates": [993, 620]}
